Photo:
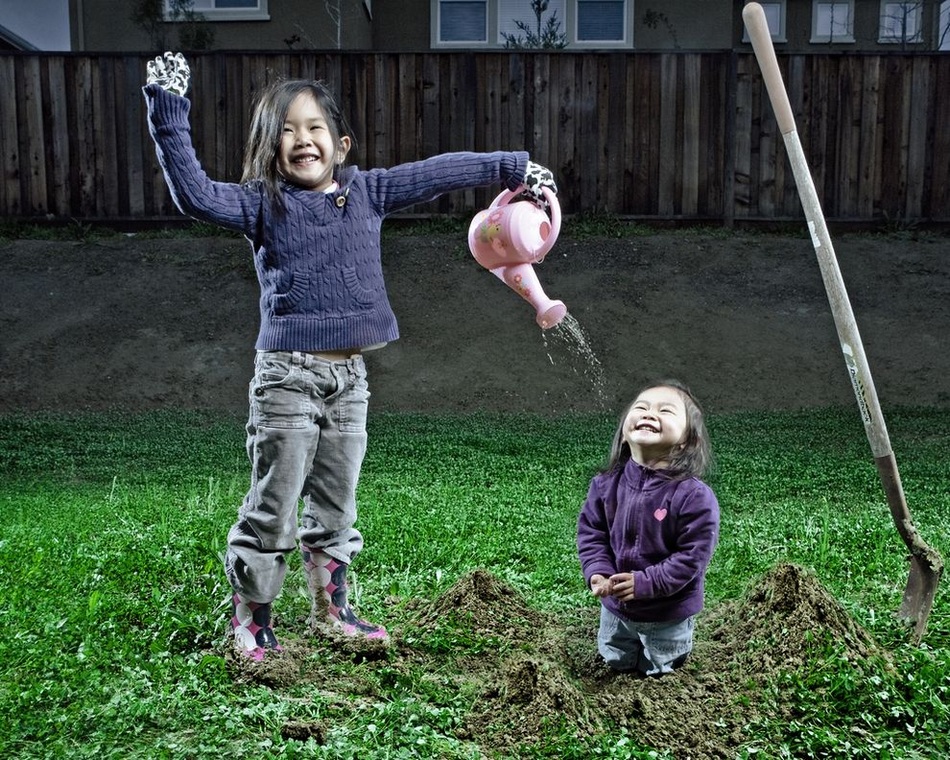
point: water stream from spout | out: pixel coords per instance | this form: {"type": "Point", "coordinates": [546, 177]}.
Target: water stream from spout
{"type": "Point", "coordinates": [569, 337]}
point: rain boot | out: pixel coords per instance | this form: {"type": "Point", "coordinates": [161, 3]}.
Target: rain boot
{"type": "Point", "coordinates": [326, 579]}
{"type": "Point", "coordinates": [253, 634]}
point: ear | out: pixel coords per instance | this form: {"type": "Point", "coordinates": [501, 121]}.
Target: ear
{"type": "Point", "coordinates": [343, 149]}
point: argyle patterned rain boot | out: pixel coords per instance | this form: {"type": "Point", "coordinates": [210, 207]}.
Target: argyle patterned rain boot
{"type": "Point", "coordinates": [326, 579]}
{"type": "Point", "coordinates": [253, 634]}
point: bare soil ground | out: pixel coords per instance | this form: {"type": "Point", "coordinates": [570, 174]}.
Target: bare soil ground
{"type": "Point", "coordinates": [137, 324]}
{"type": "Point", "coordinates": [532, 674]}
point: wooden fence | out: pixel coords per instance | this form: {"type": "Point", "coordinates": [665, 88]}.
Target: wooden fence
{"type": "Point", "coordinates": [686, 136]}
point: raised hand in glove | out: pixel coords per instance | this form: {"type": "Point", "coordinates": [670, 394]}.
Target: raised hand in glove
{"type": "Point", "coordinates": [535, 178]}
{"type": "Point", "coordinates": [170, 71]}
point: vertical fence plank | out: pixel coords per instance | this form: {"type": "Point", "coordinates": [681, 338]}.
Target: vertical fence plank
{"type": "Point", "coordinates": [86, 157]}
{"type": "Point", "coordinates": [57, 141]}
{"type": "Point", "coordinates": [642, 107]}
{"type": "Point", "coordinates": [896, 100]}
{"type": "Point", "coordinates": [744, 109]}
{"type": "Point", "coordinates": [32, 138]}
{"type": "Point", "coordinates": [430, 115]}
{"type": "Point", "coordinates": [563, 122]}
{"type": "Point", "coordinates": [10, 199]}
{"type": "Point", "coordinates": [615, 128]}
{"type": "Point", "coordinates": [106, 115]}
{"type": "Point", "coordinates": [587, 136]}
{"type": "Point", "coordinates": [692, 98]}
{"type": "Point", "coordinates": [406, 148]}
{"type": "Point", "coordinates": [513, 97]}
{"type": "Point", "coordinates": [666, 145]}
{"type": "Point", "coordinates": [871, 137]}
{"type": "Point", "coordinates": [715, 102]}
{"type": "Point", "coordinates": [135, 146]}
{"type": "Point", "coordinates": [938, 199]}
{"type": "Point", "coordinates": [383, 86]}
{"type": "Point", "coordinates": [920, 118]}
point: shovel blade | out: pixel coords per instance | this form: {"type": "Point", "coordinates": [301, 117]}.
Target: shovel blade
{"type": "Point", "coordinates": [919, 594]}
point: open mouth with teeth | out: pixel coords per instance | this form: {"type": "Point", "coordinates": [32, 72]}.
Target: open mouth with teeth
{"type": "Point", "coordinates": [308, 158]}
{"type": "Point", "coordinates": [647, 425]}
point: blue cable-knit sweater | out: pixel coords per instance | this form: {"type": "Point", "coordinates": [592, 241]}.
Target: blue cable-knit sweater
{"type": "Point", "coordinates": [318, 263]}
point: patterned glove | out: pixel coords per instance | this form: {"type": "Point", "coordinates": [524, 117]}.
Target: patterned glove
{"type": "Point", "coordinates": [170, 71]}
{"type": "Point", "coordinates": [536, 177]}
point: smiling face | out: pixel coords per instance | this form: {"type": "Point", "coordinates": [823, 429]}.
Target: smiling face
{"type": "Point", "coordinates": [307, 155]}
{"type": "Point", "coordinates": [655, 425]}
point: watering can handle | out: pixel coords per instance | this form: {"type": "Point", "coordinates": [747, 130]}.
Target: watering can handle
{"type": "Point", "coordinates": [506, 195]}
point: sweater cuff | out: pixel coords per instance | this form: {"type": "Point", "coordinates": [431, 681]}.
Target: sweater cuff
{"type": "Point", "coordinates": [166, 106]}
{"type": "Point", "coordinates": [642, 585]}
{"type": "Point", "coordinates": [515, 173]}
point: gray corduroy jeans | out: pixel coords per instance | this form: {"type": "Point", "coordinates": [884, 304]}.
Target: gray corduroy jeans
{"type": "Point", "coordinates": [649, 648]}
{"type": "Point", "coordinates": [306, 439]}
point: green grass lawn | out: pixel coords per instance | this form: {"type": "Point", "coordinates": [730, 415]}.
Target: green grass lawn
{"type": "Point", "coordinates": [113, 610]}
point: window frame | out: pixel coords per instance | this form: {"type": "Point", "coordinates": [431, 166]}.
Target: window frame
{"type": "Point", "coordinates": [942, 41]}
{"type": "Point", "coordinates": [916, 12]}
{"type": "Point", "coordinates": [818, 38]}
{"type": "Point", "coordinates": [778, 35]}
{"type": "Point", "coordinates": [625, 42]}
{"type": "Point", "coordinates": [438, 42]}
{"type": "Point", "coordinates": [494, 41]}
{"type": "Point", "coordinates": [260, 13]}
{"type": "Point", "coordinates": [526, 15]}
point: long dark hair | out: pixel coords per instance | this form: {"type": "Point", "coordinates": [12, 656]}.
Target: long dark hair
{"type": "Point", "coordinates": [267, 123]}
{"type": "Point", "coordinates": [694, 459]}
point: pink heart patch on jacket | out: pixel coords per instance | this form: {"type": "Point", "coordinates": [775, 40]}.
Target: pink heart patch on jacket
{"type": "Point", "coordinates": [660, 514]}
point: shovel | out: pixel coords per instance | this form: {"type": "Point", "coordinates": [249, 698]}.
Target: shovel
{"type": "Point", "coordinates": [926, 565]}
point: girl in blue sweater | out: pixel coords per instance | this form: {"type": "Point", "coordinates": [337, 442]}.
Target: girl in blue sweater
{"type": "Point", "coordinates": [647, 531]}
{"type": "Point", "coordinates": [314, 228]}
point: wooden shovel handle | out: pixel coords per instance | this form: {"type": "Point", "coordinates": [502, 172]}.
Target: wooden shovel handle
{"type": "Point", "coordinates": [926, 563]}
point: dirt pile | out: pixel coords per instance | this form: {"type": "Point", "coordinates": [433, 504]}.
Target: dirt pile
{"type": "Point", "coordinates": [531, 675]}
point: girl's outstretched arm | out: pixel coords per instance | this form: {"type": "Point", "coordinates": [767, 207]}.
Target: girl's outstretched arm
{"type": "Point", "coordinates": [194, 193]}
{"type": "Point", "coordinates": [404, 185]}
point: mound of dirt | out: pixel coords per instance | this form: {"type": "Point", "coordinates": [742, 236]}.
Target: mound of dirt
{"type": "Point", "coordinates": [785, 617]}
{"type": "Point", "coordinates": [534, 675]}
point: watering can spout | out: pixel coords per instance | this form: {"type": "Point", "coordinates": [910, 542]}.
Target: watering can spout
{"type": "Point", "coordinates": [522, 279]}
{"type": "Point", "coordinates": [507, 238]}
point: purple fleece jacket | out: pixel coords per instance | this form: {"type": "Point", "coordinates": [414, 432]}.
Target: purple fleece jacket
{"type": "Point", "coordinates": [664, 531]}
{"type": "Point", "coordinates": [319, 260]}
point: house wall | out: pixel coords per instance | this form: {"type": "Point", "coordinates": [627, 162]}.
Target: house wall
{"type": "Point", "coordinates": [401, 26]}
{"type": "Point", "coordinates": [107, 26]}
{"type": "Point", "coordinates": [407, 26]}
{"type": "Point", "coordinates": [680, 25]}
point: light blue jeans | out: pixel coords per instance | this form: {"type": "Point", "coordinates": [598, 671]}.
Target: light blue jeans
{"type": "Point", "coordinates": [648, 648]}
{"type": "Point", "coordinates": [306, 439]}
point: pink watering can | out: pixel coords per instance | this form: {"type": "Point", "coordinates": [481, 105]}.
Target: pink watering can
{"type": "Point", "coordinates": [507, 238]}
